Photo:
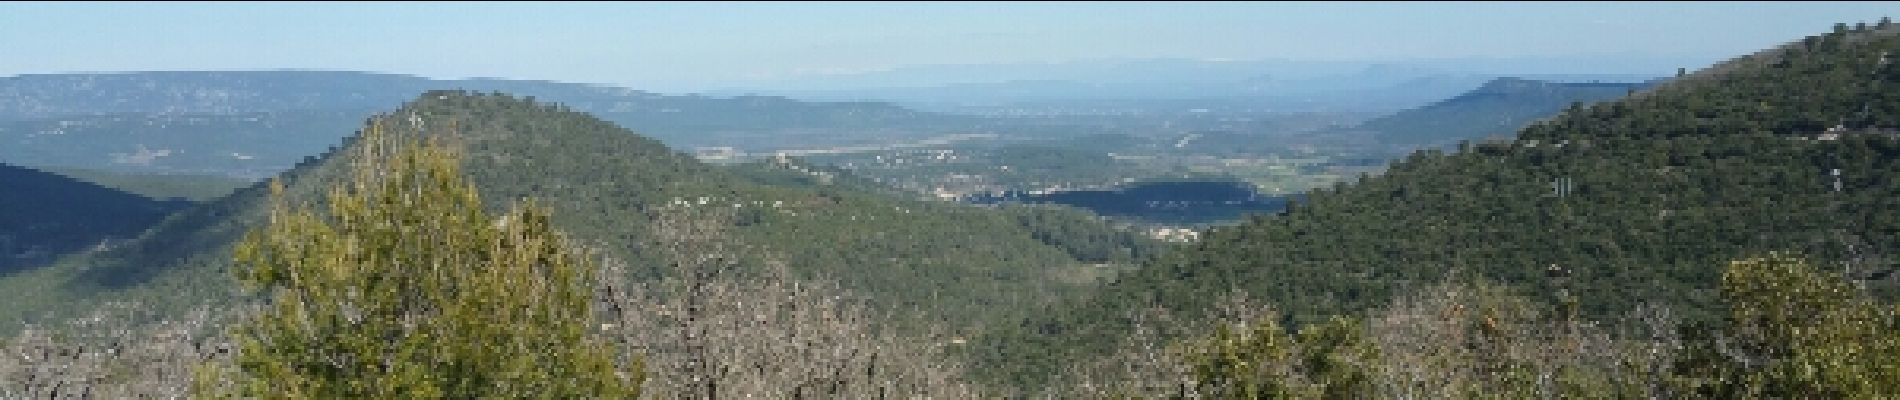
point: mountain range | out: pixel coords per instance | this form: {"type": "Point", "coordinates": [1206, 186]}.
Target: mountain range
{"type": "Point", "coordinates": [252, 124]}
{"type": "Point", "coordinates": [1279, 86]}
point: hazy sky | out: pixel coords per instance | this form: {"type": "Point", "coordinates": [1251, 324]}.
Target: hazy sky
{"type": "Point", "coordinates": [682, 45]}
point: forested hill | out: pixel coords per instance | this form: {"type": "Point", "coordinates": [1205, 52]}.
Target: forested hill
{"type": "Point", "coordinates": [1498, 108]}
{"type": "Point", "coordinates": [1640, 200]}
{"type": "Point", "coordinates": [607, 187]}
{"type": "Point", "coordinates": [43, 215]}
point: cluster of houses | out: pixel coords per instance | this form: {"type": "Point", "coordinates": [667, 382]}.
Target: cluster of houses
{"type": "Point", "coordinates": [1178, 235]}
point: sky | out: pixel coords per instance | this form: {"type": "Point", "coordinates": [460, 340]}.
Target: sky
{"type": "Point", "coordinates": [678, 46]}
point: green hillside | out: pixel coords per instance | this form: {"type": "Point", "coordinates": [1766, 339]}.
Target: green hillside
{"type": "Point", "coordinates": [1642, 200]}
{"type": "Point", "coordinates": [607, 187]}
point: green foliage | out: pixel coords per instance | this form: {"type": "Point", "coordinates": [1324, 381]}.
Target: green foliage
{"type": "Point", "coordinates": [407, 288]}
{"type": "Point", "coordinates": [1332, 360]}
{"type": "Point", "coordinates": [1339, 358]}
{"type": "Point", "coordinates": [1255, 363]}
{"type": "Point", "coordinates": [1081, 235]}
{"type": "Point", "coordinates": [1794, 331]}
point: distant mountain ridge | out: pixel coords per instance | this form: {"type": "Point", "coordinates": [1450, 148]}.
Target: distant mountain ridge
{"type": "Point", "coordinates": [255, 123]}
{"type": "Point", "coordinates": [1371, 88]}
{"type": "Point", "coordinates": [190, 92]}
{"type": "Point", "coordinates": [198, 92]}
{"type": "Point", "coordinates": [1184, 70]}
{"type": "Point", "coordinates": [1279, 84]}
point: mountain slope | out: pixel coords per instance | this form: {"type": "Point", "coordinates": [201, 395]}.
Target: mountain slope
{"type": "Point", "coordinates": [609, 188]}
{"type": "Point", "coordinates": [1641, 200]}
{"type": "Point", "coordinates": [1500, 107]}
{"type": "Point", "coordinates": [43, 215]}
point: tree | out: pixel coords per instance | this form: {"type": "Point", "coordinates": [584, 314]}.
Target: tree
{"type": "Point", "coordinates": [408, 289]}
{"type": "Point", "coordinates": [1795, 331]}
{"type": "Point", "coordinates": [1330, 360]}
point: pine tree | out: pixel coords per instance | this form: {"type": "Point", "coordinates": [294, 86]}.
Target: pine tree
{"type": "Point", "coordinates": [407, 288]}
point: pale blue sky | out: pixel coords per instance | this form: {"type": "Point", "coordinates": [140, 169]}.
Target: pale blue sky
{"type": "Point", "coordinates": [670, 46]}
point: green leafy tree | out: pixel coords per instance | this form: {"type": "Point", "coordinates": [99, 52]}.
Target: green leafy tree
{"type": "Point", "coordinates": [407, 288]}
{"type": "Point", "coordinates": [1252, 363]}
{"type": "Point", "coordinates": [1338, 358]}
{"type": "Point", "coordinates": [1331, 360]}
{"type": "Point", "coordinates": [1797, 332]}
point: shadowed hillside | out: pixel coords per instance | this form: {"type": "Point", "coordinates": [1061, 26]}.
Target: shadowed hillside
{"type": "Point", "coordinates": [43, 215]}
